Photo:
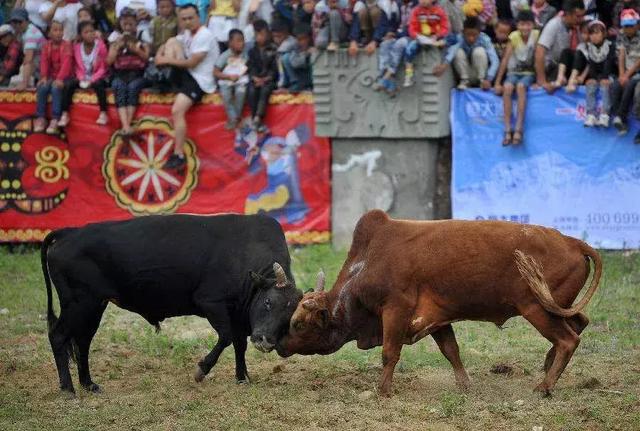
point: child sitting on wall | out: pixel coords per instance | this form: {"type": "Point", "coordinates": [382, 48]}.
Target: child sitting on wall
{"type": "Point", "coordinates": [598, 56]}
{"type": "Point", "coordinates": [55, 69]}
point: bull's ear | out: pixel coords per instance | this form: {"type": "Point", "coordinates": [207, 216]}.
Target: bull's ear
{"type": "Point", "coordinates": [256, 279]}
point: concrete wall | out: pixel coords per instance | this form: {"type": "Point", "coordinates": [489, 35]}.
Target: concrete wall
{"type": "Point", "coordinates": [387, 152]}
{"type": "Point", "coordinates": [398, 177]}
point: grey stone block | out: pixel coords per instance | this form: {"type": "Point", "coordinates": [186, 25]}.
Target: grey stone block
{"type": "Point", "coordinates": [347, 106]}
{"type": "Point", "coordinates": [398, 177]}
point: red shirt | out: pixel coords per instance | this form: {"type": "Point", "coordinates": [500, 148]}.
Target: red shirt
{"type": "Point", "coordinates": [428, 21]}
{"type": "Point", "coordinates": [56, 60]}
{"type": "Point", "coordinates": [11, 59]}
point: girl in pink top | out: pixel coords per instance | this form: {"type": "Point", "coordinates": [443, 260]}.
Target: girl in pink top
{"type": "Point", "coordinates": [90, 59]}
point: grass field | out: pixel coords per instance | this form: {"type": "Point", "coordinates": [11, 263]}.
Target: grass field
{"type": "Point", "coordinates": [147, 384]}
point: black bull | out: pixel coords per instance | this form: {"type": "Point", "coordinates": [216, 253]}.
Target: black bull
{"type": "Point", "coordinates": [233, 270]}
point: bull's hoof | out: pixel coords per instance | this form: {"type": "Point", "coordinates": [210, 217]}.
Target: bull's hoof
{"type": "Point", "coordinates": [68, 392]}
{"type": "Point", "coordinates": [385, 393]}
{"type": "Point", "coordinates": [544, 391]}
{"type": "Point", "coordinates": [243, 380]}
{"type": "Point", "coordinates": [93, 388]}
{"type": "Point", "coordinates": [463, 386]}
{"type": "Point", "coordinates": [199, 375]}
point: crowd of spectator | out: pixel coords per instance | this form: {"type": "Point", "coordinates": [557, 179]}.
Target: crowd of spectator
{"type": "Point", "coordinates": [248, 49]}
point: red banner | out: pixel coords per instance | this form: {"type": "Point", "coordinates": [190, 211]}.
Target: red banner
{"type": "Point", "coordinates": [89, 173]}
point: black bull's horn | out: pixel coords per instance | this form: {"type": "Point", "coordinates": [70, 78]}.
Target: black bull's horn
{"type": "Point", "coordinates": [281, 277]}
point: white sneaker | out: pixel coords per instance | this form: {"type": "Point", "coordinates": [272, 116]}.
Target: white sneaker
{"type": "Point", "coordinates": [603, 120]}
{"type": "Point", "coordinates": [617, 122]}
{"type": "Point", "coordinates": [463, 85]}
{"type": "Point", "coordinates": [590, 121]}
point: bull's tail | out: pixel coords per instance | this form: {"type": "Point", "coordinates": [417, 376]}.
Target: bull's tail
{"type": "Point", "coordinates": [50, 239]}
{"type": "Point", "coordinates": [531, 271]}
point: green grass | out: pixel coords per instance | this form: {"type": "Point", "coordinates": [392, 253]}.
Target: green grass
{"type": "Point", "coordinates": [147, 384]}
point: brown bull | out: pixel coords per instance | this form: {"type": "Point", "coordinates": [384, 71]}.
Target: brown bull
{"type": "Point", "coordinates": [404, 280]}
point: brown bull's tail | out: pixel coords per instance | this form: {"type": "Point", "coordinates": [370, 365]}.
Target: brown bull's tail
{"type": "Point", "coordinates": [531, 271]}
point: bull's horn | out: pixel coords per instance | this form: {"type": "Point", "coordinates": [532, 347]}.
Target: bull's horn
{"type": "Point", "coordinates": [281, 277]}
{"type": "Point", "coordinates": [320, 282]}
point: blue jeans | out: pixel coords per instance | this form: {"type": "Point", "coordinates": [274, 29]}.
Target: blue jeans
{"type": "Point", "coordinates": [412, 49]}
{"type": "Point", "coordinates": [592, 90]}
{"type": "Point", "coordinates": [42, 94]}
{"type": "Point", "coordinates": [126, 92]}
{"type": "Point", "coordinates": [297, 79]}
{"type": "Point", "coordinates": [622, 97]}
{"type": "Point", "coordinates": [390, 54]}
{"type": "Point", "coordinates": [233, 97]}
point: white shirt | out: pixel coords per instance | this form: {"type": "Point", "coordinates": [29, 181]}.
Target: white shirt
{"type": "Point", "coordinates": [149, 5]}
{"type": "Point", "coordinates": [33, 9]}
{"type": "Point", "coordinates": [202, 41]}
{"type": "Point", "coordinates": [67, 15]}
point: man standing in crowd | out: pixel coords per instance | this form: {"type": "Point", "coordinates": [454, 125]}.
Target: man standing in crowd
{"type": "Point", "coordinates": [194, 54]}
{"type": "Point", "coordinates": [556, 45]}
{"type": "Point", "coordinates": [65, 12]}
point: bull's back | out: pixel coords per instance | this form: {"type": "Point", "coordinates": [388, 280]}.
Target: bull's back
{"type": "Point", "coordinates": [164, 259]}
{"type": "Point", "coordinates": [466, 267]}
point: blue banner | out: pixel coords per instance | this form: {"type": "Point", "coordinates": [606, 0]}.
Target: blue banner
{"type": "Point", "coordinates": [582, 181]}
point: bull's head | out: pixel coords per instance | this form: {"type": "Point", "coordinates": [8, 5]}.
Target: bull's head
{"type": "Point", "coordinates": [310, 330]}
{"type": "Point", "coordinates": [272, 307]}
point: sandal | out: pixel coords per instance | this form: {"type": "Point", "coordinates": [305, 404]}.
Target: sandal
{"type": "Point", "coordinates": [508, 138]}
{"type": "Point", "coordinates": [517, 137]}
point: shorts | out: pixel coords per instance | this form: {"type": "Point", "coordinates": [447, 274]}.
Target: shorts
{"type": "Point", "coordinates": [188, 86]}
{"type": "Point", "coordinates": [525, 79]}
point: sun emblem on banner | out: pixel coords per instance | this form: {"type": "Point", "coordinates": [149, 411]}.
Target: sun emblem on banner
{"type": "Point", "coordinates": [135, 173]}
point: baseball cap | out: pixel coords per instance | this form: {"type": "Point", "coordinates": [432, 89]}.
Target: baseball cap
{"type": "Point", "coordinates": [19, 14]}
{"type": "Point", "coordinates": [629, 17]}
{"type": "Point", "coordinates": [5, 29]}
{"type": "Point", "coordinates": [127, 11]}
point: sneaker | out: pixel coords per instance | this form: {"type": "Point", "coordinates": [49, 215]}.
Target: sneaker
{"type": "Point", "coordinates": [64, 120]}
{"type": "Point", "coordinates": [408, 76]}
{"type": "Point", "coordinates": [175, 161]}
{"type": "Point", "coordinates": [103, 119]}
{"type": "Point", "coordinates": [39, 125]}
{"type": "Point", "coordinates": [590, 121]}
{"type": "Point", "coordinates": [621, 126]}
{"type": "Point", "coordinates": [378, 85]}
{"type": "Point", "coordinates": [390, 86]}
{"type": "Point", "coordinates": [332, 46]}
{"type": "Point", "coordinates": [53, 127]}
{"type": "Point", "coordinates": [603, 121]}
{"type": "Point", "coordinates": [463, 85]}
{"type": "Point", "coordinates": [617, 122]}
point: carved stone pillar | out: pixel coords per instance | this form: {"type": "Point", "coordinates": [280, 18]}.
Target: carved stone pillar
{"type": "Point", "coordinates": [385, 149]}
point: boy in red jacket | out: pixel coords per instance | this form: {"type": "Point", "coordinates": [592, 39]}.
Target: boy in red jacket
{"type": "Point", "coordinates": [55, 69]}
{"type": "Point", "coordinates": [428, 26]}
